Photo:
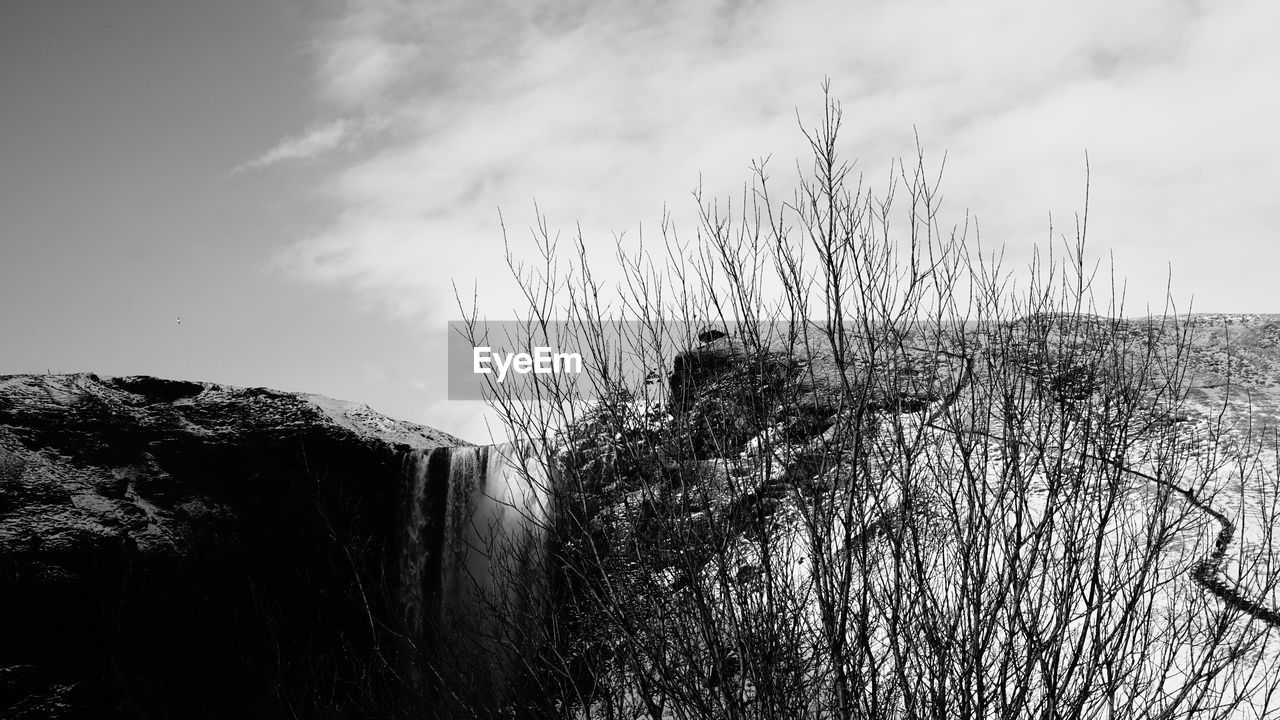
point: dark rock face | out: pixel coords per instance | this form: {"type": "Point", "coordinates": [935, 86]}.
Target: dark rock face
{"type": "Point", "coordinates": [189, 550]}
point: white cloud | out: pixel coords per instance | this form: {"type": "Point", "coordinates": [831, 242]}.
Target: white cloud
{"type": "Point", "coordinates": [605, 111]}
{"type": "Point", "coordinates": [317, 140]}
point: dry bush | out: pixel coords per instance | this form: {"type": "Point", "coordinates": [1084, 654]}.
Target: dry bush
{"type": "Point", "coordinates": [901, 486]}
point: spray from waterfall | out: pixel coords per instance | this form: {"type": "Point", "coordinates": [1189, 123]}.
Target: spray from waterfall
{"type": "Point", "coordinates": [473, 566]}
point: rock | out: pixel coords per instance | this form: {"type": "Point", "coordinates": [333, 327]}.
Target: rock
{"type": "Point", "coordinates": [693, 369]}
{"type": "Point", "coordinates": [185, 549]}
{"type": "Point", "coordinates": [711, 335]}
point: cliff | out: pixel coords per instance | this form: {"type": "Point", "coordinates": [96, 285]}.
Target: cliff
{"type": "Point", "coordinates": [186, 549]}
{"type": "Point", "coordinates": [911, 514]}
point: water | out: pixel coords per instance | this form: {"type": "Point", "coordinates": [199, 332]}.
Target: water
{"type": "Point", "coordinates": [472, 568]}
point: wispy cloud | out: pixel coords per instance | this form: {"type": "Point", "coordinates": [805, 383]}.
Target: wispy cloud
{"type": "Point", "coordinates": [607, 111]}
{"type": "Point", "coordinates": [317, 140]}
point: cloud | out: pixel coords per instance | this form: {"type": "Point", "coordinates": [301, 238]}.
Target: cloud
{"type": "Point", "coordinates": [317, 140]}
{"type": "Point", "coordinates": [607, 112]}
{"type": "Point", "coordinates": [377, 51]}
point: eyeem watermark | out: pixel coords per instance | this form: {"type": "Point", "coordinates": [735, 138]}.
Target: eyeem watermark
{"type": "Point", "coordinates": [542, 361]}
{"type": "Point", "coordinates": [516, 358]}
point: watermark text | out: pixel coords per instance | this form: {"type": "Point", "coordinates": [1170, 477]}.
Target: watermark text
{"type": "Point", "coordinates": [542, 361]}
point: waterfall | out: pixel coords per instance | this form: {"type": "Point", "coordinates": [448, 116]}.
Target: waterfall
{"type": "Point", "coordinates": [472, 566]}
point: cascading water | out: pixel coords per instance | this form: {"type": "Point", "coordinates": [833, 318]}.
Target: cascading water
{"type": "Point", "coordinates": [472, 567]}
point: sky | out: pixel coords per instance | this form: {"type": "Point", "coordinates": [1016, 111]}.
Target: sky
{"type": "Point", "coordinates": [305, 183]}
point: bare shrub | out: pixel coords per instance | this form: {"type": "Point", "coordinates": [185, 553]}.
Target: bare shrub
{"type": "Point", "coordinates": [900, 485]}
